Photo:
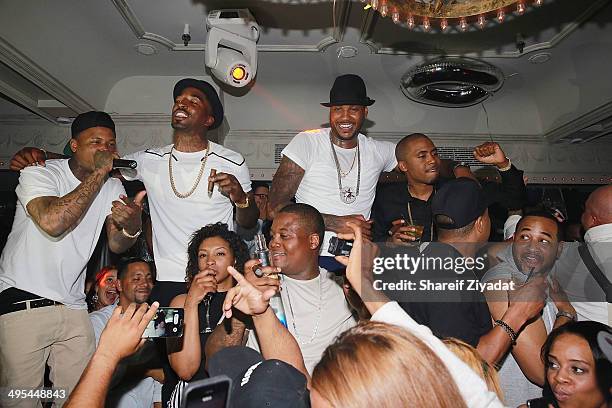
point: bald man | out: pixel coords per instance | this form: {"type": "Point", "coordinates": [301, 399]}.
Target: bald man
{"type": "Point", "coordinates": [586, 295]}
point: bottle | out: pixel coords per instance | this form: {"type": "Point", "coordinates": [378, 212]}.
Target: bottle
{"type": "Point", "coordinates": [263, 254]}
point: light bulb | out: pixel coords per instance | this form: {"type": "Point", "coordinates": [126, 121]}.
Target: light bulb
{"type": "Point", "coordinates": [374, 4]}
{"type": "Point", "coordinates": [538, 2]}
{"type": "Point", "coordinates": [384, 9]}
{"type": "Point", "coordinates": [463, 24]}
{"type": "Point", "coordinates": [426, 25]}
{"type": "Point", "coordinates": [395, 16]}
{"type": "Point", "coordinates": [482, 21]}
{"type": "Point", "coordinates": [410, 21]}
{"type": "Point", "coordinates": [444, 24]}
{"type": "Point", "coordinates": [501, 15]}
{"type": "Point", "coordinates": [520, 7]}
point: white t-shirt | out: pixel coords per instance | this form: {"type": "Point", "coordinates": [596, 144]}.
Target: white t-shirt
{"type": "Point", "coordinates": [317, 304]}
{"type": "Point", "coordinates": [311, 150]}
{"type": "Point", "coordinates": [175, 219]}
{"type": "Point", "coordinates": [473, 389]}
{"type": "Point", "coordinates": [50, 267]}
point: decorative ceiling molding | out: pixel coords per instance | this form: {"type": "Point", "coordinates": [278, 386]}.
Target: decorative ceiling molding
{"type": "Point", "coordinates": [580, 123]}
{"type": "Point", "coordinates": [370, 20]}
{"type": "Point", "coordinates": [31, 71]}
{"type": "Point", "coordinates": [24, 100]}
{"type": "Point", "coordinates": [140, 32]}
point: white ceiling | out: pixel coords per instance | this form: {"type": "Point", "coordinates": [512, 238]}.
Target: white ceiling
{"type": "Point", "coordinates": [63, 57]}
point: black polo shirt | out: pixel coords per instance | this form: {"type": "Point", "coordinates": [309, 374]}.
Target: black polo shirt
{"type": "Point", "coordinates": [391, 203]}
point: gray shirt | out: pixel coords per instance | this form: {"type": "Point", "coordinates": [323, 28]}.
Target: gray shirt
{"type": "Point", "coordinates": [516, 387]}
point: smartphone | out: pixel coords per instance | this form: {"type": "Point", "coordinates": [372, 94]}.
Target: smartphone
{"type": "Point", "coordinates": [167, 322]}
{"type": "Point", "coordinates": [212, 392]}
{"type": "Point", "coordinates": [340, 247]}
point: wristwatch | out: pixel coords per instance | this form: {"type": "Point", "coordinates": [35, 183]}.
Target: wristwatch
{"type": "Point", "coordinates": [460, 164]}
{"type": "Point", "coordinates": [568, 315]}
{"type": "Point", "coordinates": [245, 205]}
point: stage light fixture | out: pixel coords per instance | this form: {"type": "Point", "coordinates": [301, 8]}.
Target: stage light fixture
{"type": "Point", "coordinates": [231, 46]}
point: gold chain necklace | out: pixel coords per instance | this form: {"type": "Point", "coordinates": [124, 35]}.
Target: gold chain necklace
{"type": "Point", "coordinates": [197, 181]}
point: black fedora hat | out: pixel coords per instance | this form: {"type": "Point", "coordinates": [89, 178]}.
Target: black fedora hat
{"type": "Point", "coordinates": [348, 89]}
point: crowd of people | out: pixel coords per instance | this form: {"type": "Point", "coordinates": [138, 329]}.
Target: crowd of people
{"type": "Point", "coordinates": [534, 331]}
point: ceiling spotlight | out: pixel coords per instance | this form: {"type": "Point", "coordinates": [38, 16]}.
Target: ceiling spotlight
{"type": "Point", "coordinates": [231, 46]}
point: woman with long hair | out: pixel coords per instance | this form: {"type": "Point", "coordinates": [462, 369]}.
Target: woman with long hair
{"type": "Point", "coordinates": [377, 364]}
{"type": "Point", "coordinates": [578, 374]}
{"type": "Point", "coordinates": [211, 250]}
{"type": "Point", "coordinates": [103, 291]}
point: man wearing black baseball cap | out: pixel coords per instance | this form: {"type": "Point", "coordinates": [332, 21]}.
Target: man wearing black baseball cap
{"type": "Point", "coordinates": [335, 169]}
{"type": "Point", "coordinates": [176, 178]}
{"type": "Point", "coordinates": [62, 209]}
{"type": "Point", "coordinates": [257, 382]}
{"type": "Point", "coordinates": [460, 211]}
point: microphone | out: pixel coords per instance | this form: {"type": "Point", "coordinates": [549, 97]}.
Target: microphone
{"type": "Point", "coordinates": [124, 164]}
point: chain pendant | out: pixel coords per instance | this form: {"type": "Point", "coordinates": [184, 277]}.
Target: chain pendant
{"type": "Point", "coordinates": [347, 195]}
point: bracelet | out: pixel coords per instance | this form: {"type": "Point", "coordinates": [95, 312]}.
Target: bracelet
{"type": "Point", "coordinates": [506, 168]}
{"type": "Point", "coordinates": [511, 333]}
{"type": "Point", "coordinates": [567, 315]}
{"type": "Point", "coordinates": [45, 152]}
{"type": "Point", "coordinates": [127, 234]}
{"type": "Point", "coordinates": [245, 205]}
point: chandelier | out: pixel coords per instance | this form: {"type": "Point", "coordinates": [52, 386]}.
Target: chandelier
{"type": "Point", "coordinates": [447, 13]}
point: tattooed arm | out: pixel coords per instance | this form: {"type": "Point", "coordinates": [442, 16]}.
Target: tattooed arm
{"type": "Point", "coordinates": [284, 185]}
{"type": "Point", "coordinates": [56, 215]}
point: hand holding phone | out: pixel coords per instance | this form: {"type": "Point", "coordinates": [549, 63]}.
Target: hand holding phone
{"type": "Point", "coordinates": [167, 322]}
{"type": "Point", "coordinates": [340, 247]}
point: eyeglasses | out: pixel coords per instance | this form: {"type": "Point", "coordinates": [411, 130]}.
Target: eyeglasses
{"type": "Point", "coordinates": [262, 196]}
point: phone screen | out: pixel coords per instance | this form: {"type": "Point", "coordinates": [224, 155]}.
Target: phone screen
{"type": "Point", "coordinates": [210, 393]}
{"type": "Point", "coordinates": [167, 322]}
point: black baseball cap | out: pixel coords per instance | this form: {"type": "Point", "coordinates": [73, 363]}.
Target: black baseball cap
{"type": "Point", "coordinates": [257, 382]}
{"type": "Point", "coordinates": [209, 91]}
{"type": "Point", "coordinates": [462, 200]}
{"type": "Point", "coordinates": [90, 120]}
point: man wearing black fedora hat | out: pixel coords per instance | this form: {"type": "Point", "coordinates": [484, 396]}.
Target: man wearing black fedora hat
{"type": "Point", "coordinates": [176, 179]}
{"type": "Point", "coordinates": [335, 169]}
